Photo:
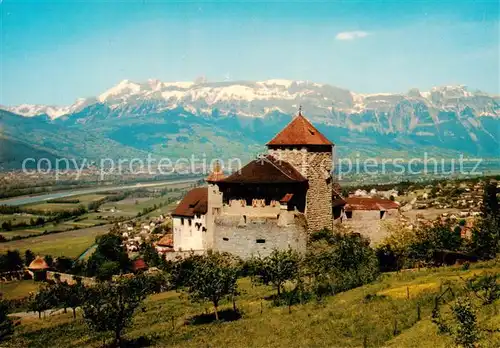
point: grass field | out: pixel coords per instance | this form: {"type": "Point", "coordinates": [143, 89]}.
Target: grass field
{"type": "Point", "coordinates": [364, 316]}
{"type": "Point", "coordinates": [71, 243]}
{"type": "Point", "coordinates": [16, 219]}
{"type": "Point", "coordinates": [53, 207]}
{"type": "Point", "coordinates": [18, 289]}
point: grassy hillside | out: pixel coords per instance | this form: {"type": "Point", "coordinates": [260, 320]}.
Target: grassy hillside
{"type": "Point", "coordinates": [375, 315]}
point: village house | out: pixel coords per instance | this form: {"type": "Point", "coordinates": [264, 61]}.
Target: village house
{"type": "Point", "coordinates": [273, 202]}
{"type": "Point", "coordinates": [367, 215]}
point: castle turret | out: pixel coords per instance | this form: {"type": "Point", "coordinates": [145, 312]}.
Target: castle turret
{"type": "Point", "coordinates": [214, 202]}
{"type": "Point", "coordinates": [310, 152]}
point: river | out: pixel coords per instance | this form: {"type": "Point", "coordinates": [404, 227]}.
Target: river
{"type": "Point", "coordinates": [77, 192]}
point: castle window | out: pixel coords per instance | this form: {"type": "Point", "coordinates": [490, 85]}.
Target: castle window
{"type": "Point", "coordinates": [225, 239]}
{"type": "Point", "coordinates": [182, 221]}
{"type": "Point", "coordinates": [260, 241]}
{"type": "Point", "coordinates": [382, 214]}
{"type": "Point", "coordinates": [189, 222]}
{"type": "Point", "coordinates": [348, 214]}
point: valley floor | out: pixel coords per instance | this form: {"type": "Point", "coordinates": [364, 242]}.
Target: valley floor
{"type": "Point", "coordinates": [376, 315]}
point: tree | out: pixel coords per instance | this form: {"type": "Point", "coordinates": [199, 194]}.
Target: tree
{"type": "Point", "coordinates": [94, 205]}
{"type": "Point", "coordinates": [486, 234]}
{"type": "Point", "coordinates": [69, 295]}
{"type": "Point", "coordinates": [107, 269]}
{"type": "Point", "coordinates": [7, 226]}
{"type": "Point", "coordinates": [485, 287]}
{"type": "Point", "coordinates": [340, 260]}
{"type": "Point", "coordinates": [109, 307]}
{"type": "Point", "coordinates": [11, 261]}
{"type": "Point", "coordinates": [29, 256]}
{"type": "Point", "coordinates": [213, 278]}
{"type": "Point", "coordinates": [277, 268]}
{"type": "Point", "coordinates": [63, 264]}
{"type": "Point", "coordinates": [109, 249]}
{"type": "Point", "coordinates": [49, 260]}
{"type": "Point", "coordinates": [430, 239]}
{"type": "Point", "coordinates": [150, 255]}
{"type": "Point", "coordinates": [44, 300]}
{"type": "Point", "coordinates": [405, 246]}
{"type": "Point", "coordinates": [461, 324]}
{"type": "Point", "coordinates": [6, 324]}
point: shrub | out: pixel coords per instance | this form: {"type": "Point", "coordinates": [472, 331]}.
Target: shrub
{"type": "Point", "coordinates": [6, 324]}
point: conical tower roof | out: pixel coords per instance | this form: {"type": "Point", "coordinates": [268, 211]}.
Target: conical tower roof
{"type": "Point", "coordinates": [299, 132]}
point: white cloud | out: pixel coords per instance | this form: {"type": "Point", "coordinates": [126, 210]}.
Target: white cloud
{"type": "Point", "coordinates": [351, 35]}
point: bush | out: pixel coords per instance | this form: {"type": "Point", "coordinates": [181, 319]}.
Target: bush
{"type": "Point", "coordinates": [6, 324]}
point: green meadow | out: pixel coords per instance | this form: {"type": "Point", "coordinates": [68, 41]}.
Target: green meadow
{"type": "Point", "coordinates": [381, 314]}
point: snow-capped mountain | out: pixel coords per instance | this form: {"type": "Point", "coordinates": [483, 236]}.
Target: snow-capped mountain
{"type": "Point", "coordinates": [30, 110]}
{"type": "Point", "coordinates": [256, 99]}
{"type": "Point", "coordinates": [237, 118]}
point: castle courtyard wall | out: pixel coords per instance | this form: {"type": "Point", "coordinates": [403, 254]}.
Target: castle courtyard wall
{"type": "Point", "coordinates": [253, 236]}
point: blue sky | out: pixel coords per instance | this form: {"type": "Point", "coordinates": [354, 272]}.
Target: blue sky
{"type": "Point", "coordinates": [53, 52]}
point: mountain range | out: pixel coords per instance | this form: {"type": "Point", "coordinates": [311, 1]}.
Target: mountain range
{"type": "Point", "coordinates": [229, 119]}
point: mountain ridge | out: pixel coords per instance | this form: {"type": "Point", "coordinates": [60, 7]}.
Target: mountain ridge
{"type": "Point", "coordinates": [191, 95]}
{"type": "Point", "coordinates": [235, 119]}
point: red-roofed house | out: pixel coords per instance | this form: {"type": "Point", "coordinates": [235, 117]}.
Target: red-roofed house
{"type": "Point", "coordinates": [139, 265]}
{"type": "Point", "coordinates": [365, 215]}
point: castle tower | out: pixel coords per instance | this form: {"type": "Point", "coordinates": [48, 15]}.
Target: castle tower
{"type": "Point", "coordinates": [214, 203]}
{"type": "Point", "coordinates": [310, 152]}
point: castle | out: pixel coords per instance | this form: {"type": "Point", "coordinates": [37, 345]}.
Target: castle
{"type": "Point", "coordinates": [273, 202]}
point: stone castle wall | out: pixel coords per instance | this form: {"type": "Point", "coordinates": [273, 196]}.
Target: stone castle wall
{"type": "Point", "coordinates": [369, 223]}
{"type": "Point", "coordinates": [253, 236]}
{"type": "Point", "coordinates": [316, 167]}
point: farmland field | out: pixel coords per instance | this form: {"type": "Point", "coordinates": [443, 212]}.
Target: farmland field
{"type": "Point", "coordinates": [71, 243]}
{"type": "Point", "coordinates": [18, 289]}
{"type": "Point", "coordinates": [17, 218]}
{"type": "Point", "coordinates": [53, 207]}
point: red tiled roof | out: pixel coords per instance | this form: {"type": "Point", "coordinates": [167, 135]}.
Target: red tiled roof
{"type": "Point", "coordinates": [38, 263]}
{"type": "Point", "coordinates": [286, 198]}
{"type": "Point", "coordinates": [194, 203]}
{"type": "Point", "coordinates": [139, 264]}
{"type": "Point", "coordinates": [166, 241]}
{"type": "Point", "coordinates": [300, 132]}
{"type": "Point", "coordinates": [365, 203]}
{"type": "Point", "coordinates": [266, 170]}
